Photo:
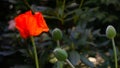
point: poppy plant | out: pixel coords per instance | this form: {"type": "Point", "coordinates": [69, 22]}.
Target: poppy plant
{"type": "Point", "coordinates": [30, 24]}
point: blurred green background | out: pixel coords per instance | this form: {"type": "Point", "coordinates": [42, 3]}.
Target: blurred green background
{"type": "Point", "coordinates": [83, 24]}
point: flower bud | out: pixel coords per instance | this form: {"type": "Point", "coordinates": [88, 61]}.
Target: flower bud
{"type": "Point", "coordinates": [110, 32]}
{"type": "Point", "coordinates": [57, 34]}
{"type": "Point", "coordinates": [60, 54]}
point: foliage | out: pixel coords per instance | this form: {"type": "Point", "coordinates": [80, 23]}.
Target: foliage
{"type": "Point", "coordinates": [83, 24]}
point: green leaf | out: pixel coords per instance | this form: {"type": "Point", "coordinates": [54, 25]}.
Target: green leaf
{"type": "Point", "coordinates": [74, 57]}
{"type": "Point", "coordinates": [86, 61]}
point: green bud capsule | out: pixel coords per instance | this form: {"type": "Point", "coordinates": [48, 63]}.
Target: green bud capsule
{"type": "Point", "coordinates": [57, 34]}
{"type": "Point", "coordinates": [60, 54]}
{"type": "Point", "coordinates": [110, 32]}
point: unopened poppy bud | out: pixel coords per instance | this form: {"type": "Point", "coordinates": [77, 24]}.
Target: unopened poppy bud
{"type": "Point", "coordinates": [57, 34]}
{"type": "Point", "coordinates": [60, 54]}
{"type": "Point", "coordinates": [110, 32]}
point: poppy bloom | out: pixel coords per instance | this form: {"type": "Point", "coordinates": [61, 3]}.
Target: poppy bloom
{"type": "Point", "coordinates": [30, 24]}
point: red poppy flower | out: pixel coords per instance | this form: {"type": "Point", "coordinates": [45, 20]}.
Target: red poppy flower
{"type": "Point", "coordinates": [30, 24]}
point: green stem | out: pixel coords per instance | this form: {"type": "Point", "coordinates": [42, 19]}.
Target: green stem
{"type": "Point", "coordinates": [115, 53]}
{"type": "Point", "coordinates": [81, 3]}
{"type": "Point", "coordinates": [58, 43]}
{"type": "Point", "coordinates": [35, 52]}
{"type": "Point", "coordinates": [61, 64]}
{"type": "Point", "coordinates": [72, 46]}
{"type": "Point", "coordinates": [63, 8]}
{"type": "Point", "coordinates": [70, 63]}
{"type": "Point", "coordinates": [28, 6]}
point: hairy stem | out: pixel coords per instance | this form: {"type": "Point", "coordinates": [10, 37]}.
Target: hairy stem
{"type": "Point", "coordinates": [115, 53]}
{"type": "Point", "coordinates": [28, 6]}
{"type": "Point", "coordinates": [81, 3]}
{"type": "Point", "coordinates": [58, 43]}
{"type": "Point", "coordinates": [70, 63]}
{"type": "Point", "coordinates": [35, 53]}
